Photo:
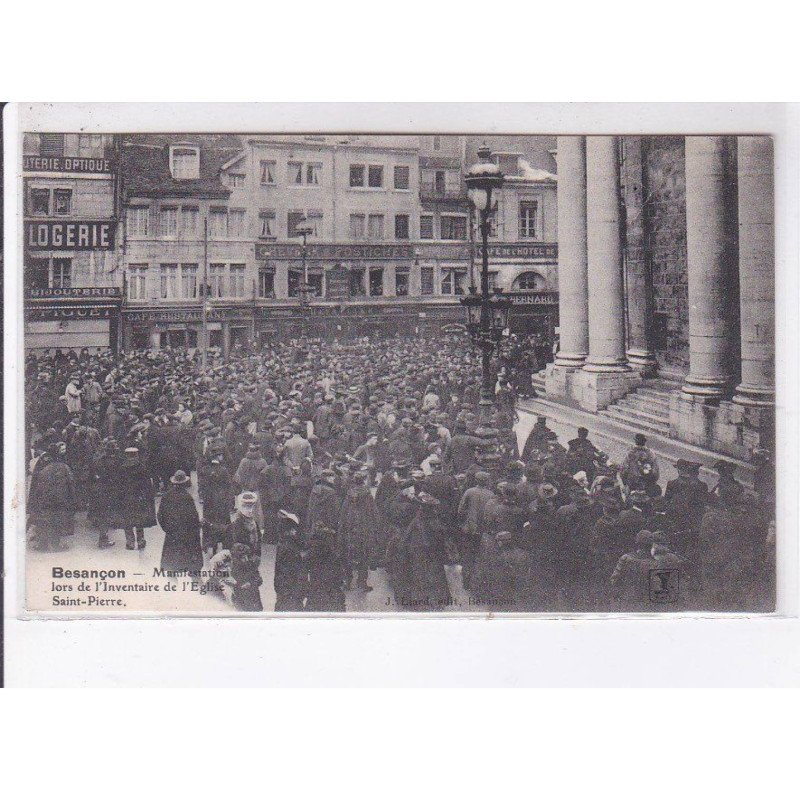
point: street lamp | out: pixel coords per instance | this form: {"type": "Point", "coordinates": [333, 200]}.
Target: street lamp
{"type": "Point", "coordinates": [305, 287]}
{"type": "Point", "coordinates": [487, 315]}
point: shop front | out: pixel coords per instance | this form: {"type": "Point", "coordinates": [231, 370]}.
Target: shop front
{"type": "Point", "coordinates": [182, 328]}
{"type": "Point", "coordinates": [72, 318]}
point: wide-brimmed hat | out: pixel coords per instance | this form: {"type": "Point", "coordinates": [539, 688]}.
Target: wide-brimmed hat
{"type": "Point", "coordinates": [425, 499]}
{"type": "Point", "coordinates": [180, 478]}
{"type": "Point", "coordinates": [547, 491]}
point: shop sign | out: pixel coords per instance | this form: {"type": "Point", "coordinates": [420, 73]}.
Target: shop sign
{"type": "Point", "coordinates": [42, 313]}
{"type": "Point", "coordinates": [334, 252]}
{"type": "Point", "coordinates": [188, 315]}
{"type": "Point", "coordinates": [57, 235]}
{"type": "Point", "coordinates": [94, 166]}
{"type": "Point", "coordinates": [76, 292]}
{"type": "Point", "coordinates": [533, 298]}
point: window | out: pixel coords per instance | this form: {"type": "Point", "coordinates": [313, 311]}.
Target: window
{"type": "Point", "coordinates": [357, 226]}
{"type": "Point", "coordinates": [190, 217]}
{"type": "Point", "coordinates": [313, 174]}
{"type": "Point", "coordinates": [532, 281]}
{"type": "Point", "coordinates": [454, 227]}
{"type": "Point", "coordinates": [295, 172]}
{"type": "Point", "coordinates": [376, 282]}
{"type": "Point", "coordinates": [266, 225]}
{"type": "Point", "coordinates": [236, 223]}
{"type": "Point", "coordinates": [90, 144]}
{"type": "Point", "coordinates": [315, 282]}
{"type": "Point", "coordinates": [62, 273]}
{"type": "Point", "coordinates": [266, 283]}
{"type": "Point", "coordinates": [437, 142]}
{"type": "Point", "coordinates": [189, 280]}
{"type": "Point", "coordinates": [401, 226]}
{"type": "Point", "coordinates": [51, 144]}
{"type": "Point", "coordinates": [401, 283]}
{"type": "Point", "coordinates": [267, 172]}
{"type": "Point", "coordinates": [426, 280]}
{"type": "Point", "coordinates": [356, 175]}
{"type": "Point", "coordinates": [168, 223]}
{"type": "Point", "coordinates": [375, 226]}
{"type": "Point", "coordinates": [375, 178]}
{"type": "Point", "coordinates": [426, 227]}
{"type": "Point", "coordinates": [40, 201]}
{"type": "Point", "coordinates": [62, 201]}
{"type": "Point", "coordinates": [169, 281]}
{"type": "Point", "coordinates": [527, 219]}
{"type": "Point", "coordinates": [401, 177]}
{"type": "Point", "coordinates": [138, 221]}
{"type": "Point", "coordinates": [294, 220]}
{"type": "Point", "coordinates": [314, 221]}
{"type": "Point", "coordinates": [218, 223]}
{"type": "Point", "coordinates": [137, 282]}
{"type": "Point", "coordinates": [235, 180]}
{"type": "Point", "coordinates": [184, 162]}
{"type": "Point", "coordinates": [453, 281]}
{"type": "Point", "coordinates": [216, 280]}
{"type": "Point", "coordinates": [237, 280]}
{"type": "Point", "coordinates": [357, 283]}
{"type": "Point", "coordinates": [294, 278]}
{"type": "Point", "coordinates": [439, 182]}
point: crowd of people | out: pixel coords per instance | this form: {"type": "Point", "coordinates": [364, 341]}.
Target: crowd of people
{"type": "Point", "coordinates": [352, 456]}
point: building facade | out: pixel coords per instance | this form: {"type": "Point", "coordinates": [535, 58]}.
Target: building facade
{"type": "Point", "coordinates": [72, 275]}
{"type": "Point", "coordinates": [390, 246]}
{"type": "Point", "coordinates": [666, 277]}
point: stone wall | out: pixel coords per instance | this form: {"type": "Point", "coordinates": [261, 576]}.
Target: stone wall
{"type": "Point", "coordinates": [664, 223]}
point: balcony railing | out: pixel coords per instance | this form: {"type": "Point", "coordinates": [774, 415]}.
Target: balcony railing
{"type": "Point", "coordinates": [430, 191]}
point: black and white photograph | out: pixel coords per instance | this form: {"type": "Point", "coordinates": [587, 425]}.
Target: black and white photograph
{"type": "Point", "coordinates": [364, 373]}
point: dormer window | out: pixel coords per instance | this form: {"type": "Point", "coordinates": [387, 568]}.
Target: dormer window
{"type": "Point", "coordinates": [184, 161]}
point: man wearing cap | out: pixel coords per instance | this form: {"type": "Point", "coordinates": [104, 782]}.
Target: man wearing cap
{"type": "Point", "coordinates": [73, 394]}
{"type": "Point", "coordinates": [136, 503]}
{"type": "Point", "coordinates": [178, 517]}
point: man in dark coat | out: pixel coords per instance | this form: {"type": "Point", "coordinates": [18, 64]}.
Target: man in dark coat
{"type": "Point", "coordinates": [502, 580]}
{"type": "Point", "coordinates": [218, 504]}
{"type": "Point", "coordinates": [243, 535]}
{"type": "Point", "coordinates": [136, 507]}
{"type": "Point", "coordinates": [581, 454]}
{"type": "Point", "coordinates": [324, 503]}
{"type": "Point", "coordinates": [538, 438]}
{"type": "Point", "coordinates": [685, 501]}
{"type": "Point", "coordinates": [52, 500]}
{"type": "Point", "coordinates": [178, 516]}
{"type": "Point", "coordinates": [359, 527]}
{"type": "Point", "coordinates": [105, 491]}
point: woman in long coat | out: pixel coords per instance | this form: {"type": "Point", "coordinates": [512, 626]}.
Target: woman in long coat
{"type": "Point", "coordinates": [52, 500]}
{"type": "Point", "coordinates": [178, 516]}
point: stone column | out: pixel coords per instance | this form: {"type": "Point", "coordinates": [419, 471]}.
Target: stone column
{"type": "Point", "coordinates": [573, 289]}
{"type": "Point", "coordinates": [638, 279]}
{"type": "Point", "coordinates": [606, 310]}
{"type": "Point", "coordinates": [709, 254]}
{"type": "Point", "coordinates": [756, 271]}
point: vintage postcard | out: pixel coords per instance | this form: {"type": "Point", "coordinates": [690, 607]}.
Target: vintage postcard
{"type": "Point", "coordinates": [360, 373]}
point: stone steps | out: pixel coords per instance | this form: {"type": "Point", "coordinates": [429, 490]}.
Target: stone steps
{"type": "Point", "coordinates": [538, 382]}
{"type": "Point", "coordinates": [635, 423]}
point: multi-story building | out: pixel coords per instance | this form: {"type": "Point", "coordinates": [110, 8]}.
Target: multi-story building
{"type": "Point", "coordinates": [385, 250]}
{"type": "Point", "coordinates": [71, 275]}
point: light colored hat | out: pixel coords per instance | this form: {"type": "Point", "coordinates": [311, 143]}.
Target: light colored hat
{"type": "Point", "coordinates": [180, 478]}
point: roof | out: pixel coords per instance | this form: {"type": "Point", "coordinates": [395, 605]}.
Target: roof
{"type": "Point", "coordinates": [144, 165]}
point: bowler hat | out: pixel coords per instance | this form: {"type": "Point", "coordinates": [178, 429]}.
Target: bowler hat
{"type": "Point", "coordinates": [180, 478]}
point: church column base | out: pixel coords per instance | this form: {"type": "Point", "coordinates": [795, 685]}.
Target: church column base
{"type": "Point", "coordinates": [597, 390]}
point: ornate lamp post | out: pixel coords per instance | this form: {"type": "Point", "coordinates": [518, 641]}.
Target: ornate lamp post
{"type": "Point", "coordinates": [487, 313]}
{"type": "Point", "coordinates": [305, 287]}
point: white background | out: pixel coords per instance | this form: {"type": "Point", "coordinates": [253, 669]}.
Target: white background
{"type": "Point", "coordinates": [465, 745]}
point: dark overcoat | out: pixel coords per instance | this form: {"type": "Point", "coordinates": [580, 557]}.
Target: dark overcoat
{"type": "Point", "coordinates": [178, 516]}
